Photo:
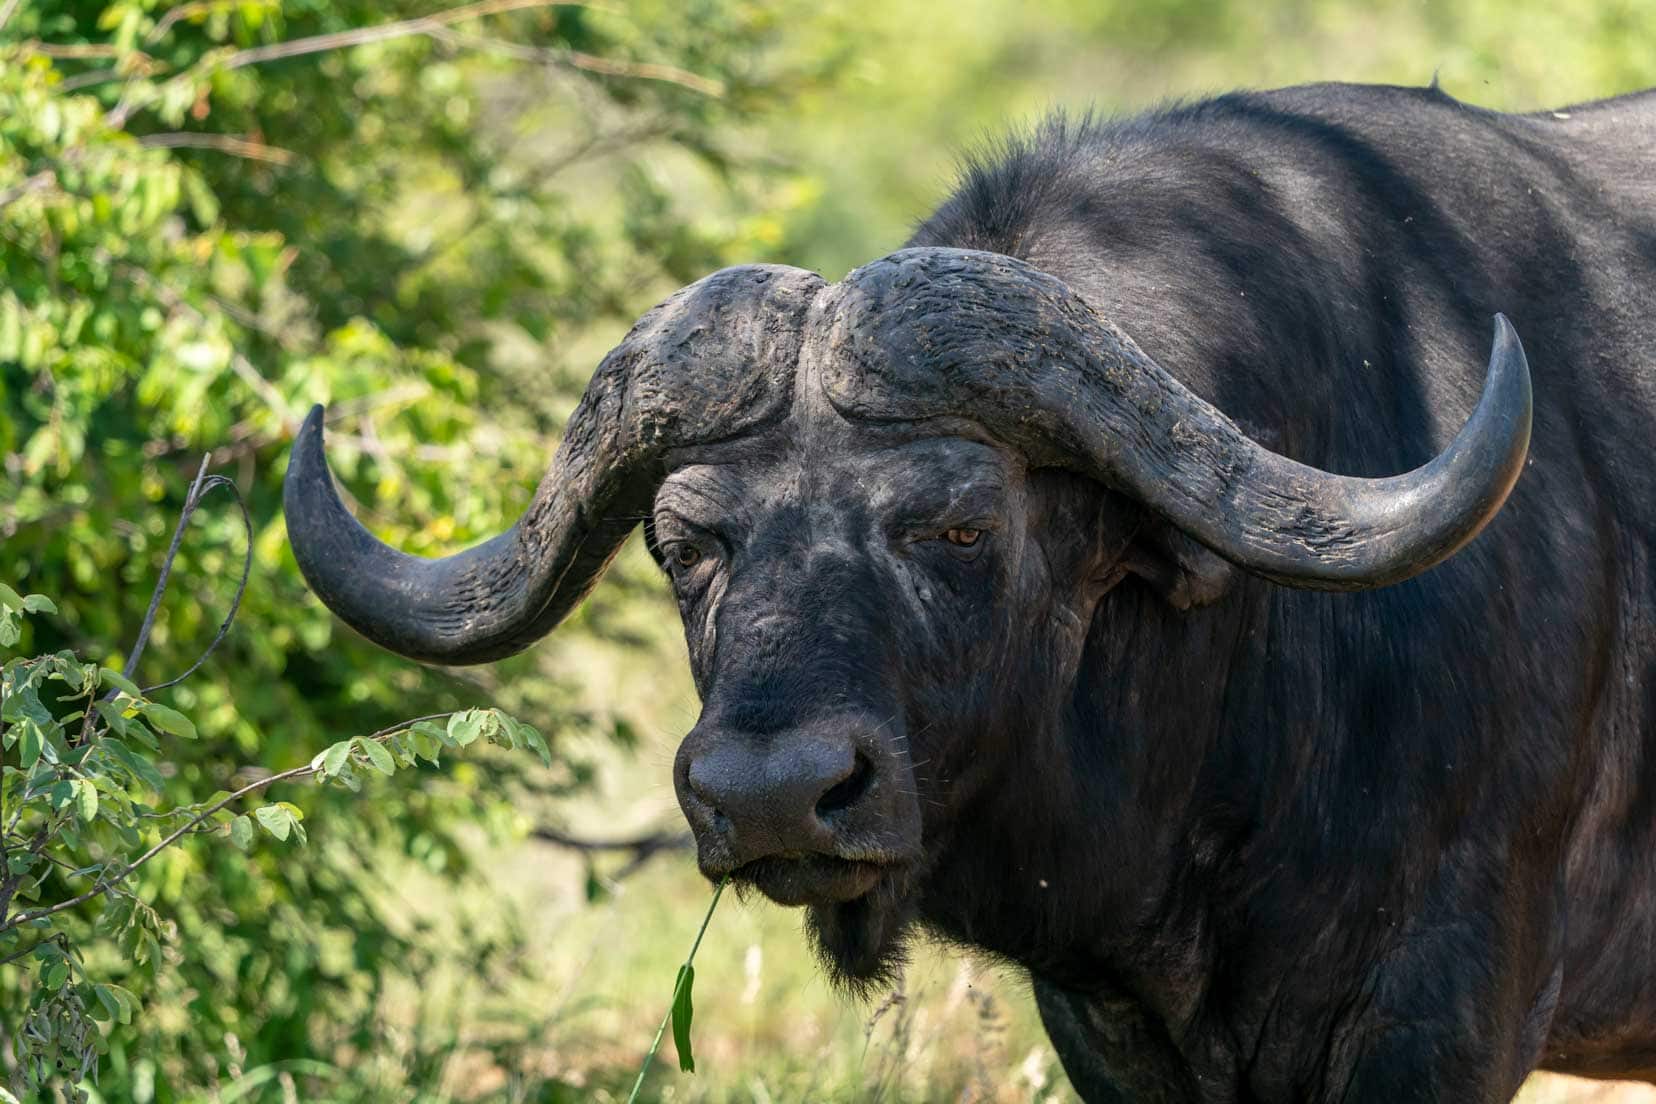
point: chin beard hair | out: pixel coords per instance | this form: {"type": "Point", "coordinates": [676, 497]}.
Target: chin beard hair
{"type": "Point", "coordinates": [863, 944]}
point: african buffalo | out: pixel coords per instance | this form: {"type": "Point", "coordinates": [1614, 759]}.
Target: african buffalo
{"type": "Point", "coordinates": [1012, 618]}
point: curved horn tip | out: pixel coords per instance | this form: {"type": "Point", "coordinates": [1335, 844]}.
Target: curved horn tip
{"type": "Point", "coordinates": [1506, 346]}
{"type": "Point", "coordinates": [307, 461]}
{"type": "Point", "coordinates": [307, 439]}
{"type": "Point", "coordinates": [1509, 374]}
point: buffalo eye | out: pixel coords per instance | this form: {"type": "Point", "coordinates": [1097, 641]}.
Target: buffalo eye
{"type": "Point", "coordinates": [963, 538]}
{"type": "Point", "coordinates": [685, 555]}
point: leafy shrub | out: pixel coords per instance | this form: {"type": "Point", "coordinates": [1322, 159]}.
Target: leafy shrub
{"type": "Point", "coordinates": [85, 808]}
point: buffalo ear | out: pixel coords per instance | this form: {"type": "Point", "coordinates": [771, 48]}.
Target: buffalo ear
{"type": "Point", "coordinates": [1186, 573]}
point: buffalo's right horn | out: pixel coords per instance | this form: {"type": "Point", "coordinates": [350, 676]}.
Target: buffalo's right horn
{"type": "Point", "coordinates": [715, 360]}
{"type": "Point", "coordinates": [934, 332]}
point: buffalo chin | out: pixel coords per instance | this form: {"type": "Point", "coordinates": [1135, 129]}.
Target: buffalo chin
{"type": "Point", "coordinates": [863, 943]}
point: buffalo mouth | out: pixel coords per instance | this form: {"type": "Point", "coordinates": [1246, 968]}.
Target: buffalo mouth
{"type": "Point", "coordinates": [811, 879]}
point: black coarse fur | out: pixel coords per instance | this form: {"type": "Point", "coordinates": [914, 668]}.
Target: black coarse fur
{"type": "Point", "coordinates": [1395, 845]}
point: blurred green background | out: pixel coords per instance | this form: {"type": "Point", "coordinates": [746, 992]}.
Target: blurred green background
{"type": "Point", "coordinates": [217, 212]}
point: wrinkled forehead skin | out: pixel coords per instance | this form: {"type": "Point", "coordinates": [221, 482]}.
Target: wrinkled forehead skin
{"type": "Point", "coordinates": [904, 339]}
{"type": "Point", "coordinates": [934, 333]}
{"type": "Point", "coordinates": [885, 347]}
{"type": "Point", "coordinates": [716, 359]}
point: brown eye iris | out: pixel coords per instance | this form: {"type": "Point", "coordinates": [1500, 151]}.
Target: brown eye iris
{"type": "Point", "coordinates": [964, 538]}
{"type": "Point", "coordinates": [686, 555]}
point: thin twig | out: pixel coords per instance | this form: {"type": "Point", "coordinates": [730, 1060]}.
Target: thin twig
{"type": "Point", "coordinates": [107, 883]}
{"type": "Point", "coordinates": [221, 143]}
{"type": "Point", "coordinates": [591, 63]}
{"type": "Point", "coordinates": [74, 51]}
{"type": "Point", "coordinates": [182, 11]}
{"type": "Point", "coordinates": [90, 79]}
{"type": "Point", "coordinates": [339, 40]}
{"type": "Point", "coordinates": [6, 11]}
{"type": "Point", "coordinates": [241, 587]}
{"type": "Point", "coordinates": [15, 955]}
{"type": "Point", "coordinates": [191, 501]}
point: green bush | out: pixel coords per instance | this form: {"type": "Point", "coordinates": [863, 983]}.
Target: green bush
{"type": "Point", "coordinates": [211, 216]}
{"type": "Point", "coordinates": [79, 824]}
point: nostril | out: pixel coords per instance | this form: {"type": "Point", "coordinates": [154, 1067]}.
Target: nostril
{"type": "Point", "coordinates": [848, 790]}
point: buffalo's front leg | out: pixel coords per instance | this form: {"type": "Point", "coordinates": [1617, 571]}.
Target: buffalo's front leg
{"type": "Point", "coordinates": [1112, 1052]}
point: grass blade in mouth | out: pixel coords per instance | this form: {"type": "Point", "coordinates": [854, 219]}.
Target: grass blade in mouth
{"type": "Point", "coordinates": [680, 1012]}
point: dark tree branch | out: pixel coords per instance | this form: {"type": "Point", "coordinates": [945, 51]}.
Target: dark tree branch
{"type": "Point", "coordinates": [190, 501]}
{"type": "Point", "coordinates": [241, 587]}
{"type": "Point", "coordinates": [641, 849]}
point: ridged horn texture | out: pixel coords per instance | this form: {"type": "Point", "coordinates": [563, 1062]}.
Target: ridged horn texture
{"type": "Point", "coordinates": [932, 332]}
{"type": "Point", "coordinates": [715, 360]}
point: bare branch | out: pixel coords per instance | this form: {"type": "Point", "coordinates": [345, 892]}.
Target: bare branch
{"type": "Point", "coordinates": [241, 587]}
{"type": "Point", "coordinates": [182, 11]}
{"type": "Point", "coordinates": [361, 36]}
{"type": "Point", "coordinates": [641, 849]}
{"type": "Point", "coordinates": [591, 63]}
{"type": "Point", "coordinates": [73, 51]}
{"type": "Point", "coordinates": [191, 500]}
{"type": "Point", "coordinates": [222, 143]}
{"type": "Point", "coordinates": [25, 952]}
{"type": "Point", "coordinates": [434, 26]}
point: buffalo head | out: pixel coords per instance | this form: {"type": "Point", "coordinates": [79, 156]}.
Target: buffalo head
{"type": "Point", "coordinates": [888, 507]}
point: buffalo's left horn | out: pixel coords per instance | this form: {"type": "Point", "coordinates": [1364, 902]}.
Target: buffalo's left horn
{"type": "Point", "coordinates": [715, 360]}
{"type": "Point", "coordinates": [933, 332]}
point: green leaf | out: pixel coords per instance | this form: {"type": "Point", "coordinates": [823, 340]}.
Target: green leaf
{"type": "Point", "coordinates": [426, 746]}
{"type": "Point", "coordinates": [56, 974]}
{"type": "Point", "coordinates": [9, 598]}
{"type": "Point", "coordinates": [536, 743]}
{"type": "Point", "coordinates": [86, 799]}
{"type": "Point", "coordinates": [241, 832]}
{"type": "Point", "coordinates": [106, 998]}
{"type": "Point", "coordinates": [70, 670]}
{"type": "Point", "coordinates": [125, 1002]}
{"type": "Point", "coordinates": [38, 603]}
{"type": "Point", "coordinates": [683, 1013]}
{"type": "Point", "coordinates": [108, 679]}
{"type": "Point", "coordinates": [30, 739]}
{"type": "Point", "coordinates": [112, 716]}
{"type": "Point", "coordinates": [276, 820]}
{"type": "Point", "coordinates": [136, 764]}
{"type": "Point", "coordinates": [168, 720]}
{"type": "Point", "coordinates": [378, 756]}
{"type": "Point", "coordinates": [594, 888]}
{"type": "Point", "coordinates": [463, 728]}
{"type": "Point", "coordinates": [335, 757]}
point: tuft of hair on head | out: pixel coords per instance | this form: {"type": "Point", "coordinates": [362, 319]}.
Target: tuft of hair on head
{"type": "Point", "coordinates": [1007, 182]}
